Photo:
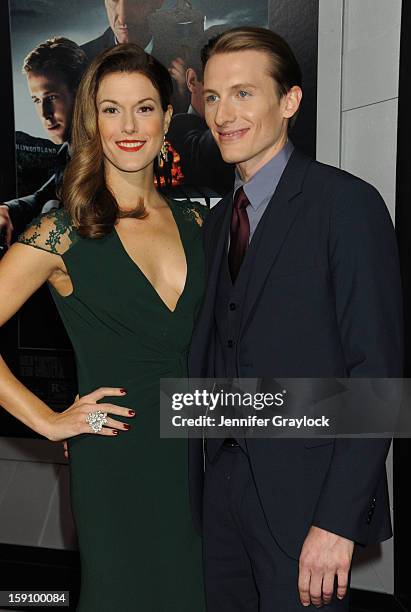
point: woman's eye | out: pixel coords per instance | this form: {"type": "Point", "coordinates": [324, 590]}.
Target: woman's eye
{"type": "Point", "coordinates": [110, 110]}
{"type": "Point", "coordinates": [146, 109]}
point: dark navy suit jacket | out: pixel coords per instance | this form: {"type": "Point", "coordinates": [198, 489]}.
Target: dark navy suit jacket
{"type": "Point", "coordinates": [323, 300]}
{"type": "Point", "coordinates": [23, 210]}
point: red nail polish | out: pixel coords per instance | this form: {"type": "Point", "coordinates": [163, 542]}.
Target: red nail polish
{"type": "Point", "coordinates": [131, 412]}
{"type": "Point", "coordinates": [123, 391]}
{"type": "Point", "coordinates": [115, 432]}
{"type": "Point", "coordinates": [126, 426]}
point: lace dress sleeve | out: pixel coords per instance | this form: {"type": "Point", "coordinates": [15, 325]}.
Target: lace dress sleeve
{"type": "Point", "coordinates": [53, 232]}
{"type": "Point", "coordinates": [195, 211]}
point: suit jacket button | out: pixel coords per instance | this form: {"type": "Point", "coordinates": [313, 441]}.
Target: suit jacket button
{"type": "Point", "coordinates": [232, 306]}
{"type": "Point", "coordinates": [230, 343]}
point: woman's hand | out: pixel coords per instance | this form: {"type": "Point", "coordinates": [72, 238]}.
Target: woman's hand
{"type": "Point", "coordinates": [72, 422]}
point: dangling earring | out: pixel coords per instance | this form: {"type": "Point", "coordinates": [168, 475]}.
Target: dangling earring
{"type": "Point", "coordinates": [159, 153]}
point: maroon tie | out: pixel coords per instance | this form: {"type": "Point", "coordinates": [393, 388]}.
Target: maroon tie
{"type": "Point", "coordinates": [239, 233]}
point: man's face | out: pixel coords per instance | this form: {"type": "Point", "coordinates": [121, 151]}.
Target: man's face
{"type": "Point", "coordinates": [128, 17]}
{"type": "Point", "coordinates": [196, 88]}
{"type": "Point", "coordinates": [243, 110]}
{"type": "Point", "coordinates": [54, 104]}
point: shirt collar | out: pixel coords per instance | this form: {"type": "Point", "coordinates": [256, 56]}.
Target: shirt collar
{"type": "Point", "coordinates": [263, 183]}
{"type": "Point", "coordinates": [192, 111]}
{"type": "Point", "coordinates": [64, 152]}
{"type": "Point", "coordinates": [147, 49]}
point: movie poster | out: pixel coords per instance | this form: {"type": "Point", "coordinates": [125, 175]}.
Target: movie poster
{"type": "Point", "coordinates": [52, 42]}
{"type": "Point", "coordinates": [173, 31]}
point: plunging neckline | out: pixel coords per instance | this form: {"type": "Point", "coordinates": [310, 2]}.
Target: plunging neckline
{"type": "Point", "coordinates": [137, 267]}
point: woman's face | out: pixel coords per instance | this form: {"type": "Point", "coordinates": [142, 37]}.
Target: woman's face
{"type": "Point", "coordinates": [131, 120]}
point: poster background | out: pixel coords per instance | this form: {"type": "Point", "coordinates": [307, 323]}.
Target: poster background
{"type": "Point", "coordinates": [37, 346]}
{"type": "Point", "coordinates": [33, 21]}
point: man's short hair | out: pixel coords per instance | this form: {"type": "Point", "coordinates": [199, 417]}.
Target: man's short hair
{"type": "Point", "coordinates": [58, 55]}
{"type": "Point", "coordinates": [284, 67]}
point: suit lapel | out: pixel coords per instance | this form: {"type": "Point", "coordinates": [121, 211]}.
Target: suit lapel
{"type": "Point", "coordinates": [214, 241]}
{"type": "Point", "coordinates": [277, 221]}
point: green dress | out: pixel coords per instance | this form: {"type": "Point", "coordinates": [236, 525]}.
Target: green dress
{"type": "Point", "coordinates": [129, 493]}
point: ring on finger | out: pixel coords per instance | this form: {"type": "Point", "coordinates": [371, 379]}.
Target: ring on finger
{"type": "Point", "coordinates": [96, 420]}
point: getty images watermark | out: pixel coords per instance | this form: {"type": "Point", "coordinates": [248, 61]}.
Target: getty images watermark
{"type": "Point", "coordinates": [230, 399]}
{"type": "Point", "coordinates": [342, 407]}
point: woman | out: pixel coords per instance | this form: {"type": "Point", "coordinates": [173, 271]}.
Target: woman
{"type": "Point", "coordinates": [125, 269]}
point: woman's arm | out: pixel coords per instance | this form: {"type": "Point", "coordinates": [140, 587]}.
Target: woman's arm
{"type": "Point", "coordinates": [22, 271]}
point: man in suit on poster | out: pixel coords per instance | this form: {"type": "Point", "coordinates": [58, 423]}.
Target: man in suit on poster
{"type": "Point", "coordinates": [201, 161]}
{"type": "Point", "coordinates": [53, 70]}
{"type": "Point", "coordinates": [303, 281]}
{"type": "Point", "coordinates": [128, 22]}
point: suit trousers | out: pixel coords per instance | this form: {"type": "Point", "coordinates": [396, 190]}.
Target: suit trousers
{"type": "Point", "coordinates": [245, 570]}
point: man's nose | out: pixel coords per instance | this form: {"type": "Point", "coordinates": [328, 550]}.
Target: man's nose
{"type": "Point", "coordinates": [225, 113]}
{"type": "Point", "coordinates": [46, 110]}
{"type": "Point", "coordinates": [122, 9]}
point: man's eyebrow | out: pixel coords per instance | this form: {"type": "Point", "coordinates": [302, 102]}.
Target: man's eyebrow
{"type": "Point", "coordinates": [244, 85]}
{"type": "Point", "coordinates": [233, 87]}
{"type": "Point", "coordinates": [118, 103]}
{"type": "Point", "coordinates": [44, 93]}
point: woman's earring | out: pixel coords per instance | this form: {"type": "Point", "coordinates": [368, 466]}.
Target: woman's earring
{"type": "Point", "coordinates": [162, 146]}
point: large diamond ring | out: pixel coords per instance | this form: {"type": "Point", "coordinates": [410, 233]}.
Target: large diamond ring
{"type": "Point", "coordinates": [96, 420]}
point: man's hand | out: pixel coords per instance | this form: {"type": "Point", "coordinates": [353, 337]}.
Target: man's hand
{"type": "Point", "coordinates": [324, 555]}
{"type": "Point", "coordinates": [177, 71]}
{"type": "Point", "coordinates": [5, 223]}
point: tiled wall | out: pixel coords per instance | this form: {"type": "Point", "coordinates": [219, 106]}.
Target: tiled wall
{"type": "Point", "coordinates": [359, 46]}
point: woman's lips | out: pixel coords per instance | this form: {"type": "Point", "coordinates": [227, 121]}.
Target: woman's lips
{"type": "Point", "coordinates": [131, 145]}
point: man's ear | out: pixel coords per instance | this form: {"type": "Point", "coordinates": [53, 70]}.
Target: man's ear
{"type": "Point", "coordinates": [191, 79]}
{"type": "Point", "coordinates": [292, 101]}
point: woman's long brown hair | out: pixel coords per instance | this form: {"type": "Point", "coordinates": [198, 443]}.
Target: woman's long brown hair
{"type": "Point", "coordinates": [84, 192]}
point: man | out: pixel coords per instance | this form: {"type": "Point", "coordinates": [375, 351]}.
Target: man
{"type": "Point", "coordinates": [201, 161]}
{"type": "Point", "coordinates": [303, 281]}
{"type": "Point", "coordinates": [53, 70]}
{"type": "Point", "coordinates": [128, 22]}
